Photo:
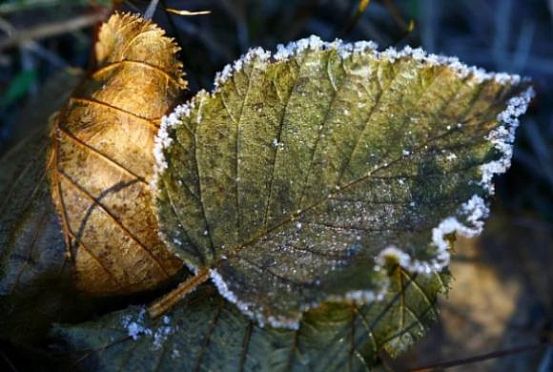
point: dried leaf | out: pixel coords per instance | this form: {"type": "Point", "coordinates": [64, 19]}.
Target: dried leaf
{"type": "Point", "coordinates": [102, 149]}
{"type": "Point", "coordinates": [208, 333]}
{"type": "Point", "coordinates": [304, 173]}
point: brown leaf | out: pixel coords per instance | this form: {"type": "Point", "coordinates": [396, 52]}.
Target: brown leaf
{"type": "Point", "coordinates": [102, 144]}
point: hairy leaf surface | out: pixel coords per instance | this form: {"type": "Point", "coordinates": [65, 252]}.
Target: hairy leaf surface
{"type": "Point", "coordinates": [304, 171]}
{"type": "Point", "coordinates": [208, 333]}
{"type": "Point", "coordinates": [102, 150]}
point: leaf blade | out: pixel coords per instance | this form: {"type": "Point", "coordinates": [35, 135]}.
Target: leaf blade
{"type": "Point", "coordinates": [208, 333]}
{"type": "Point", "coordinates": [301, 197]}
{"type": "Point", "coordinates": [102, 141]}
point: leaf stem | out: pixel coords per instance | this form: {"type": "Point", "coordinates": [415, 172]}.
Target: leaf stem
{"type": "Point", "coordinates": [165, 303]}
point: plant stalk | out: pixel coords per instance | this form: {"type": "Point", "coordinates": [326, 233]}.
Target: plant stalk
{"type": "Point", "coordinates": [166, 303]}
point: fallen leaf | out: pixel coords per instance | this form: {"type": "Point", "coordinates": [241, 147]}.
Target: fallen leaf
{"type": "Point", "coordinates": [35, 277]}
{"type": "Point", "coordinates": [208, 333]}
{"type": "Point", "coordinates": [304, 172]}
{"type": "Point", "coordinates": [102, 149]}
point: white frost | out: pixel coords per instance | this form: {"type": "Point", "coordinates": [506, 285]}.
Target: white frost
{"type": "Point", "coordinates": [163, 140]}
{"type": "Point", "coordinates": [256, 54]}
{"type": "Point", "coordinates": [261, 58]}
{"type": "Point", "coordinates": [247, 308]}
{"type": "Point", "coordinates": [136, 328]}
{"type": "Point", "coordinates": [503, 137]}
{"type": "Point", "coordinates": [394, 254]}
{"type": "Point", "coordinates": [468, 220]}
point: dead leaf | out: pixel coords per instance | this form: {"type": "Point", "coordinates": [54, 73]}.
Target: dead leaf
{"type": "Point", "coordinates": [102, 145]}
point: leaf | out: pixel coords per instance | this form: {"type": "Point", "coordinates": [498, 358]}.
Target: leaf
{"type": "Point", "coordinates": [18, 88]}
{"type": "Point", "coordinates": [304, 172]}
{"type": "Point", "coordinates": [102, 148]}
{"type": "Point", "coordinates": [35, 280]}
{"type": "Point", "coordinates": [209, 333]}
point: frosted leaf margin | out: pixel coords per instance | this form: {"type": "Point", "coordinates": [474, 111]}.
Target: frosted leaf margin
{"type": "Point", "coordinates": [473, 212]}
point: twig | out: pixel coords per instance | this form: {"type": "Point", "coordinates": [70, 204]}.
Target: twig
{"type": "Point", "coordinates": [187, 13]}
{"type": "Point", "coordinates": [50, 29]}
{"type": "Point", "coordinates": [19, 6]}
{"type": "Point", "coordinates": [479, 358]}
{"type": "Point", "coordinates": [34, 46]}
{"type": "Point", "coordinates": [8, 361]}
{"type": "Point", "coordinates": [166, 302]}
{"type": "Point", "coordinates": [396, 14]}
{"type": "Point", "coordinates": [149, 13]}
{"type": "Point", "coordinates": [172, 24]}
{"type": "Point", "coordinates": [361, 8]}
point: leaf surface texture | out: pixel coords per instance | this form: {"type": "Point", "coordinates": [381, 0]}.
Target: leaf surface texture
{"type": "Point", "coordinates": [292, 178]}
{"type": "Point", "coordinates": [208, 333]}
{"type": "Point", "coordinates": [102, 149]}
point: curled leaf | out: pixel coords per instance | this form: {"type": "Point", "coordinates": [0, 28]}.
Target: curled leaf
{"type": "Point", "coordinates": [102, 151]}
{"type": "Point", "coordinates": [307, 172]}
{"type": "Point", "coordinates": [208, 333]}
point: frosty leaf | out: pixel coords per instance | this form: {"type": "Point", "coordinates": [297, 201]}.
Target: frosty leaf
{"type": "Point", "coordinates": [103, 140]}
{"type": "Point", "coordinates": [208, 333]}
{"type": "Point", "coordinates": [305, 171]}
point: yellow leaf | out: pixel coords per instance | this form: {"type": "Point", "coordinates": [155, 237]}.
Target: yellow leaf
{"type": "Point", "coordinates": [102, 144]}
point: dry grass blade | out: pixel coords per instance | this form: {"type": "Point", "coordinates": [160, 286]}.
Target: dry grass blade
{"type": "Point", "coordinates": [478, 358]}
{"type": "Point", "coordinates": [50, 29]}
{"type": "Point", "coordinates": [361, 8]}
{"type": "Point", "coordinates": [187, 13]}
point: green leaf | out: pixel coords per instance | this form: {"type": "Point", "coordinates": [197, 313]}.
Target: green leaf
{"type": "Point", "coordinates": [18, 87]}
{"type": "Point", "coordinates": [304, 172]}
{"type": "Point", "coordinates": [208, 333]}
{"type": "Point", "coordinates": [35, 279]}
{"type": "Point", "coordinates": [36, 283]}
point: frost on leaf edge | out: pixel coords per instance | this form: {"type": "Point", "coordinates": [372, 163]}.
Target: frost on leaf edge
{"type": "Point", "coordinates": [474, 211]}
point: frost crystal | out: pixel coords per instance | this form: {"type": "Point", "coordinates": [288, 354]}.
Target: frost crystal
{"type": "Point", "coordinates": [476, 211]}
{"type": "Point", "coordinates": [257, 54]}
{"type": "Point", "coordinates": [392, 253]}
{"type": "Point", "coordinates": [222, 286]}
{"type": "Point", "coordinates": [163, 139]}
{"type": "Point", "coordinates": [245, 308]}
{"type": "Point", "coordinates": [503, 137]}
{"type": "Point", "coordinates": [468, 220]}
{"type": "Point", "coordinates": [136, 328]}
{"type": "Point", "coordinates": [161, 334]}
{"type": "Point", "coordinates": [516, 107]}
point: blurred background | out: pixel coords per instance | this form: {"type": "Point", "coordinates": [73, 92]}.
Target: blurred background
{"type": "Point", "coordinates": [501, 302]}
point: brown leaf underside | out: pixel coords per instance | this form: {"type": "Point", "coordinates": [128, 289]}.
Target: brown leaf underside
{"type": "Point", "coordinates": [102, 144]}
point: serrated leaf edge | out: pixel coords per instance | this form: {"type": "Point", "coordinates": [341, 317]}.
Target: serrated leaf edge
{"type": "Point", "coordinates": [473, 212]}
